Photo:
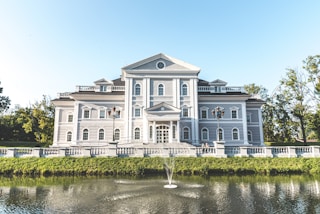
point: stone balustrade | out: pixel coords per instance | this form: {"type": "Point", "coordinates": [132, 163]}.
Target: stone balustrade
{"type": "Point", "coordinates": [115, 151]}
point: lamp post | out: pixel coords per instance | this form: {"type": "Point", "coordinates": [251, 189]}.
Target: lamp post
{"type": "Point", "coordinates": [113, 112]}
{"type": "Point", "coordinates": [218, 113]}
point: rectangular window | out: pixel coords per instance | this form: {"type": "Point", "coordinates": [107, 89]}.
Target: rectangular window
{"type": "Point", "coordinates": [137, 112]}
{"type": "Point", "coordinates": [234, 114]}
{"type": "Point", "coordinates": [103, 88]}
{"type": "Point", "coordinates": [70, 118]}
{"type": "Point", "coordinates": [185, 112]}
{"type": "Point", "coordinates": [248, 118]}
{"type": "Point", "coordinates": [102, 114]}
{"type": "Point", "coordinates": [204, 114]}
{"type": "Point", "coordinates": [86, 114]}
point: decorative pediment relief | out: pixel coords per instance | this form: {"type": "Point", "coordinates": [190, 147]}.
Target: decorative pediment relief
{"type": "Point", "coordinates": [218, 82]}
{"type": "Point", "coordinates": [160, 63]}
{"type": "Point", "coordinates": [163, 108]}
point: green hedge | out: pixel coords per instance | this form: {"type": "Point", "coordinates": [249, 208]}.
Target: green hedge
{"type": "Point", "coordinates": [150, 166]}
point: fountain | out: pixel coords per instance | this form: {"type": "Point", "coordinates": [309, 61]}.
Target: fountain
{"type": "Point", "coordinates": [169, 167]}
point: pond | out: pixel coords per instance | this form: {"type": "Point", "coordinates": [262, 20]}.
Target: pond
{"type": "Point", "coordinates": [214, 194]}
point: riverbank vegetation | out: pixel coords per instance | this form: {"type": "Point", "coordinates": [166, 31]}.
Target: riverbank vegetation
{"type": "Point", "coordinates": [152, 166]}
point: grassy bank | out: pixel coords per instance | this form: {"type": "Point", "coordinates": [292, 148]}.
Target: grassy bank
{"type": "Point", "coordinates": [148, 166]}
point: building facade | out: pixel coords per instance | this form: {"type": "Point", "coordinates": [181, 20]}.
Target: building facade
{"type": "Point", "coordinates": [157, 100]}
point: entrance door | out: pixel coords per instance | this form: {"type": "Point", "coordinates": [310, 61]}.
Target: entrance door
{"type": "Point", "coordinates": [162, 134]}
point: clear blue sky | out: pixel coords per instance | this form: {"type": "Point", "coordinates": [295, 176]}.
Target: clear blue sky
{"type": "Point", "coordinates": [50, 46]}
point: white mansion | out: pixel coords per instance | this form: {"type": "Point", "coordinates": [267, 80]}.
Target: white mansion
{"type": "Point", "coordinates": [158, 100]}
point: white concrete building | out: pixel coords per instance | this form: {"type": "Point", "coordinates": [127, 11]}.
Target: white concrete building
{"type": "Point", "coordinates": [158, 100]}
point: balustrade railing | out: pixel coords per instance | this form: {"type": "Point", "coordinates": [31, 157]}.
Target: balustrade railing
{"type": "Point", "coordinates": [115, 151]}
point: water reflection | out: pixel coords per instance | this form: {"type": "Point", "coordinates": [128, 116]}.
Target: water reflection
{"type": "Point", "coordinates": [297, 194]}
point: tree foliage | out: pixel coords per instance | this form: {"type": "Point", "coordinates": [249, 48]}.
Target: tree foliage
{"type": "Point", "coordinates": [33, 123]}
{"type": "Point", "coordinates": [4, 103]}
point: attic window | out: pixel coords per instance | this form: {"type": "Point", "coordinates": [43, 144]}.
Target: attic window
{"type": "Point", "coordinates": [103, 88]}
{"type": "Point", "coordinates": [161, 65]}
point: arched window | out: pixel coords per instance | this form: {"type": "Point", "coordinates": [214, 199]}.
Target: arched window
{"type": "Point", "coordinates": [85, 134]}
{"type": "Point", "coordinates": [204, 134]}
{"type": "Point", "coordinates": [101, 134]}
{"type": "Point", "coordinates": [186, 133]}
{"type": "Point", "coordinates": [220, 133]}
{"type": "Point", "coordinates": [235, 134]}
{"type": "Point", "coordinates": [184, 89]}
{"type": "Point", "coordinates": [117, 134]}
{"type": "Point", "coordinates": [137, 90]}
{"type": "Point", "coordinates": [160, 90]}
{"type": "Point", "coordinates": [250, 136]}
{"type": "Point", "coordinates": [136, 133]}
{"type": "Point", "coordinates": [69, 136]}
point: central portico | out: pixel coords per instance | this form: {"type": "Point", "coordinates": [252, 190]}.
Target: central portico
{"type": "Point", "coordinates": [162, 94]}
{"type": "Point", "coordinates": [163, 122]}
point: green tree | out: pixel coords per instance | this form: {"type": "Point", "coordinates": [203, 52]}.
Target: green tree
{"type": "Point", "coordinates": [312, 66]}
{"type": "Point", "coordinates": [254, 89]}
{"type": "Point", "coordinates": [39, 120]}
{"type": "Point", "coordinates": [4, 103]}
{"type": "Point", "coordinates": [285, 127]}
{"type": "Point", "coordinates": [296, 91]}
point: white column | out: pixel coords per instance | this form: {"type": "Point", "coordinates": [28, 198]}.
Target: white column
{"type": "Point", "coordinates": [56, 126]}
{"type": "Point", "coordinates": [260, 127]}
{"type": "Point", "coordinates": [154, 137]}
{"type": "Point", "coordinates": [170, 132]}
{"type": "Point", "coordinates": [178, 130]}
{"type": "Point", "coordinates": [244, 123]}
{"type": "Point", "coordinates": [76, 134]}
{"type": "Point", "coordinates": [128, 110]}
{"type": "Point", "coordinates": [194, 115]}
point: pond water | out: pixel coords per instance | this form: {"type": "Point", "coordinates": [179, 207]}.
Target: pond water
{"type": "Point", "coordinates": [215, 194]}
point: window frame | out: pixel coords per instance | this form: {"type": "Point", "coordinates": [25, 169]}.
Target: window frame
{"type": "Point", "coordinates": [69, 136]}
{"type": "Point", "coordinates": [221, 137]}
{"type": "Point", "coordinates": [184, 89]}
{"type": "Point", "coordinates": [137, 88]}
{"type": "Point", "coordinates": [101, 134]}
{"type": "Point", "coordinates": [102, 116]}
{"type": "Point", "coordinates": [205, 134]}
{"type": "Point", "coordinates": [186, 131]}
{"type": "Point", "coordinates": [161, 89]}
{"type": "Point", "coordinates": [86, 113]}
{"type": "Point", "coordinates": [235, 131]}
{"type": "Point", "coordinates": [137, 133]}
{"type": "Point", "coordinates": [185, 112]}
{"type": "Point", "coordinates": [70, 118]}
{"type": "Point", "coordinates": [117, 134]}
{"type": "Point", "coordinates": [250, 139]}
{"type": "Point", "coordinates": [85, 134]}
{"type": "Point", "coordinates": [137, 112]}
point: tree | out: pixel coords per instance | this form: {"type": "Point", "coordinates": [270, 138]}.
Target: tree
{"type": "Point", "coordinates": [39, 120]}
{"type": "Point", "coordinates": [295, 90]}
{"type": "Point", "coordinates": [254, 89]}
{"type": "Point", "coordinates": [312, 66]}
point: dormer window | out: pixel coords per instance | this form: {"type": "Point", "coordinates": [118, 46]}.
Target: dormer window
{"type": "Point", "coordinates": [103, 88]}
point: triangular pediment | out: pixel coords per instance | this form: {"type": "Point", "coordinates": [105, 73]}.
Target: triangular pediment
{"type": "Point", "coordinates": [160, 63]}
{"type": "Point", "coordinates": [218, 82]}
{"type": "Point", "coordinates": [103, 81]}
{"type": "Point", "coordinates": [163, 108]}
